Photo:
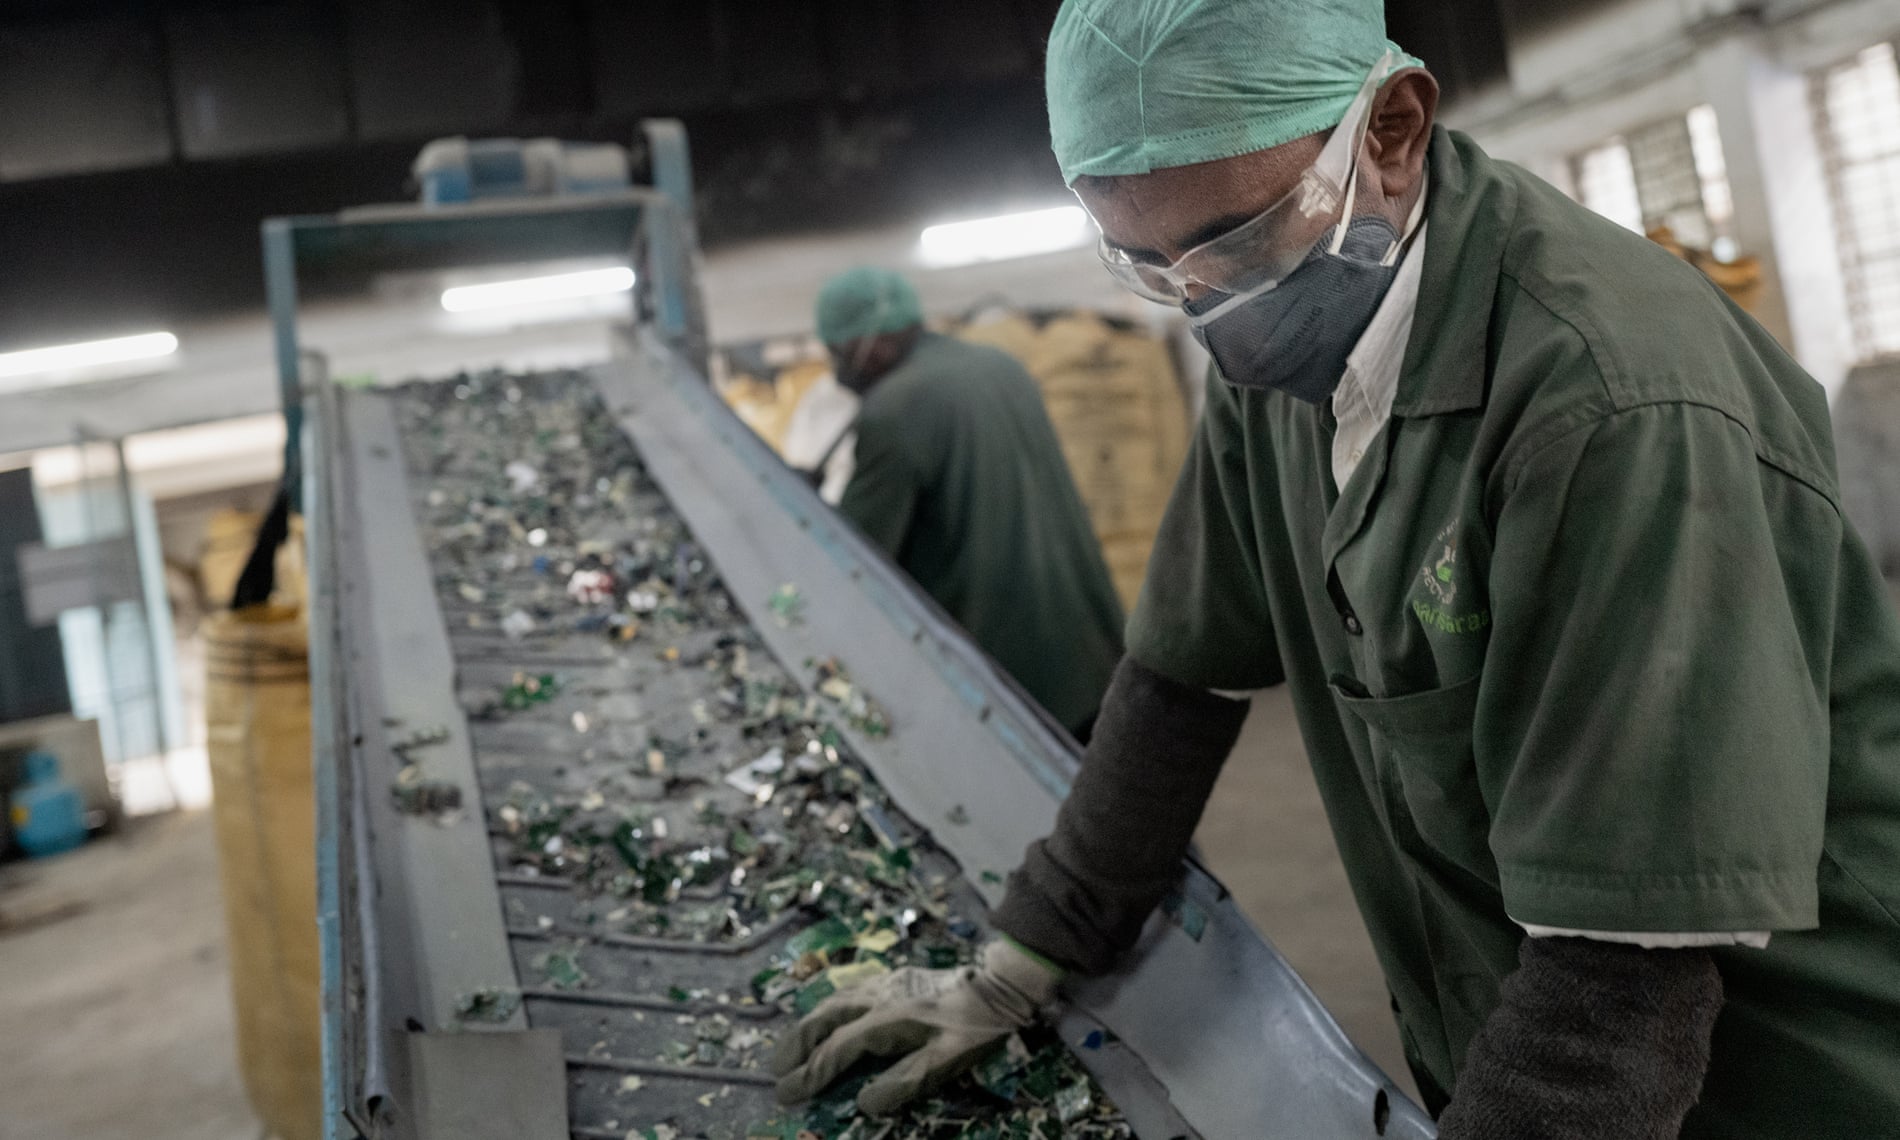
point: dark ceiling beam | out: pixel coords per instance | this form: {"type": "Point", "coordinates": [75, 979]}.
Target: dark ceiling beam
{"type": "Point", "coordinates": [902, 110]}
{"type": "Point", "coordinates": [227, 78]}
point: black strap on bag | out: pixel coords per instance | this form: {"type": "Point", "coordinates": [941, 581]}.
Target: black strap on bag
{"type": "Point", "coordinates": [259, 579]}
{"type": "Point", "coordinates": [815, 474]}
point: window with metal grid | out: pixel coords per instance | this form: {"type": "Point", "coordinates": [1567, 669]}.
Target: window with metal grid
{"type": "Point", "coordinates": [1606, 182]}
{"type": "Point", "coordinates": [1857, 104]}
{"type": "Point", "coordinates": [1711, 167]}
{"type": "Point", "coordinates": [1670, 173]}
{"type": "Point", "coordinates": [1662, 160]}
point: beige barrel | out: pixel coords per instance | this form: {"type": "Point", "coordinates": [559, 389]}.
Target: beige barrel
{"type": "Point", "coordinates": [257, 709]}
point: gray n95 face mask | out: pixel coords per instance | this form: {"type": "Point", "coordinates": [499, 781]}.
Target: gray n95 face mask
{"type": "Point", "coordinates": [1296, 336]}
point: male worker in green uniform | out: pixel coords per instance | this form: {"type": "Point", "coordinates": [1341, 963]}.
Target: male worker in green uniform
{"type": "Point", "coordinates": [1602, 693]}
{"type": "Point", "coordinates": [960, 479]}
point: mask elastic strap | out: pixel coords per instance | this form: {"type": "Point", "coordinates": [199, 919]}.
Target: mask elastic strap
{"type": "Point", "coordinates": [1345, 213]}
{"type": "Point", "coordinates": [1412, 222]}
{"type": "Point", "coordinates": [1340, 150]}
{"type": "Point", "coordinates": [1363, 107]}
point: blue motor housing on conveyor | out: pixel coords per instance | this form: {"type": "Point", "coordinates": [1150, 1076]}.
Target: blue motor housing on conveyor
{"type": "Point", "coordinates": [49, 816]}
{"type": "Point", "coordinates": [456, 170]}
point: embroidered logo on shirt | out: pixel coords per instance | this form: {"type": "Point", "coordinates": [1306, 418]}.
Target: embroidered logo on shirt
{"type": "Point", "coordinates": [1440, 578]}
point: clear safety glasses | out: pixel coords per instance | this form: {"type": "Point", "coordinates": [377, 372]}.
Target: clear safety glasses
{"type": "Point", "coordinates": [1262, 252]}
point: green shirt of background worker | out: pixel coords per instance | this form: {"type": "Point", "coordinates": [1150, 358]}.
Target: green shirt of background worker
{"type": "Point", "coordinates": [1601, 691]}
{"type": "Point", "coordinates": [959, 477]}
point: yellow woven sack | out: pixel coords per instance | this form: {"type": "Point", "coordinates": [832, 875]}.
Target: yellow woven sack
{"type": "Point", "coordinates": [257, 708]}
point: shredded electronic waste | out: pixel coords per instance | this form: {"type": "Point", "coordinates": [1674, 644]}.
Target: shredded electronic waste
{"type": "Point", "coordinates": [689, 853]}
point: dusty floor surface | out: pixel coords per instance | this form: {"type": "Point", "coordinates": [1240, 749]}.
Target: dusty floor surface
{"type": "Point", "coordinates": [115, 1022]}
{"type": "Point", "coordinates": [1266, 837]}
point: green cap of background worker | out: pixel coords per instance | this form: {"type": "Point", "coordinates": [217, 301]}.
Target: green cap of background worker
{"type": "Point", "coordinates": [869, 320]}
{"type": "Point", "coordinates": [865, 302]}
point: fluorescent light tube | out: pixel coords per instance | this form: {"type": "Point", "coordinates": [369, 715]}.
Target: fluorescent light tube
{"type": "Point", "coordinates": [61, 363]}
{"type": "Point", "coordinates": [533, 290]}
{"type": "Point", "coordinates": [1004, 237]}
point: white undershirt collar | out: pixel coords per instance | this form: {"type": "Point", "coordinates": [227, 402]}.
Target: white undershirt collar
{"type": "Point", "coordinates": [1363, 401]}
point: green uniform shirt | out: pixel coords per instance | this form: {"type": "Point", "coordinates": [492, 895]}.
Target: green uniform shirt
{"type": "Point", "coordinates": [1585, 642]}
{"type": "Point", "coordinates": [960, 479]}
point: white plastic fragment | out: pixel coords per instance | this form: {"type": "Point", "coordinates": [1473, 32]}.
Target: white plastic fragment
{"type": "Point", "coordinates": [750, 778]}
{"type": "Point", "coordinates": [590, 587]}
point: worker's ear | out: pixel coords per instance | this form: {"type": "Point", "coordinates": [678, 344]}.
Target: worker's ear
{"type": "Point", "coordinates": [1401, 130]}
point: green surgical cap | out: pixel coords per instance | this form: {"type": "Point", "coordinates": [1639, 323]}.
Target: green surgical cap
{"type": "Point", "coordinates": [1141, 85]}
{"type": "Point", "coordinates": [865, 302]}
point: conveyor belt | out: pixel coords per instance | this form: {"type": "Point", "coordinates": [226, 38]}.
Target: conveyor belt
{"type": "Point", "coordinates": [1206, 1033]}
{"type": "Point", "coordinates": [633, 725]}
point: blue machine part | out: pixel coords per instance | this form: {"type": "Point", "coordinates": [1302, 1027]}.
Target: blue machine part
{"type": "Point", "coordinates": [458, 170]}
{"type": "Point", "coordinates": [48, 814]}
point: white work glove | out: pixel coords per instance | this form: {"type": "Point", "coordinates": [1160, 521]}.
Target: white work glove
{"type": "Point", "coordinates": [940, 1022]}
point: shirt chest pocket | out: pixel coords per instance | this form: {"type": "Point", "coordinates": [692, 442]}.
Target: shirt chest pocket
{"type": "Point", "coordinates": [1428, 779]}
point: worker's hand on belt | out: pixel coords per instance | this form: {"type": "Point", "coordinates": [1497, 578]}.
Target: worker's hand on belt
{"type": "Point", "coordinates": [935, 1023]}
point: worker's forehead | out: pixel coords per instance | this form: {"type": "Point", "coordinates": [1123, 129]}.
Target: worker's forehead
{"type": "Point", "coordinates": [1169, 211]}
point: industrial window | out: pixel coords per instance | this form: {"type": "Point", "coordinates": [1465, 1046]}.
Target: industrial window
{"type": "Point", "coordinates": [1606, 182]}
{"type": "Point", "coordinates": [1711, 167]}
{"type": "Point", "coordinates": [1858, 105]}
{"type": "Point", "coordinates": [1670, 173]}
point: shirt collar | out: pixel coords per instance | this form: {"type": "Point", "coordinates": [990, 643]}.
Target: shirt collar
{"type": "Point", "coordinates": [1473, 209]}
{"type": "Point", "coordinates": [1372, 369]}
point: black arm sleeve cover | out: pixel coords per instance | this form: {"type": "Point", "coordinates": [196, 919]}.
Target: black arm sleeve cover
{"type": "Point", "coordinates": [1081, 895]}
{"type": "Point", "coordinates": [1592, 1041]}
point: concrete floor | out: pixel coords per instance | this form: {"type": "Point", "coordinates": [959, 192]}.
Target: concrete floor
{"type": "Point", "coordinates": [1266, 837]}
{"type": "Point", "coordinates": [115, 1022]}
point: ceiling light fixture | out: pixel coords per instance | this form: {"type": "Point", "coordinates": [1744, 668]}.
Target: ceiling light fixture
{"type": "Point", "coordinates": [66, 363]}
{"type": "Point", "coordinates": [533, 290]}
{"type": "Point", "coordinates": [1005, 237]}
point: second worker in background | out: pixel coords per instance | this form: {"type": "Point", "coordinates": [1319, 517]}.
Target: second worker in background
{"type": "Point", "coordinates": [960, 478]}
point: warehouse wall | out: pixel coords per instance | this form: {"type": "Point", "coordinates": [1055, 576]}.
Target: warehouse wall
{"type": "Point", "coordinates": [1581, 74]}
